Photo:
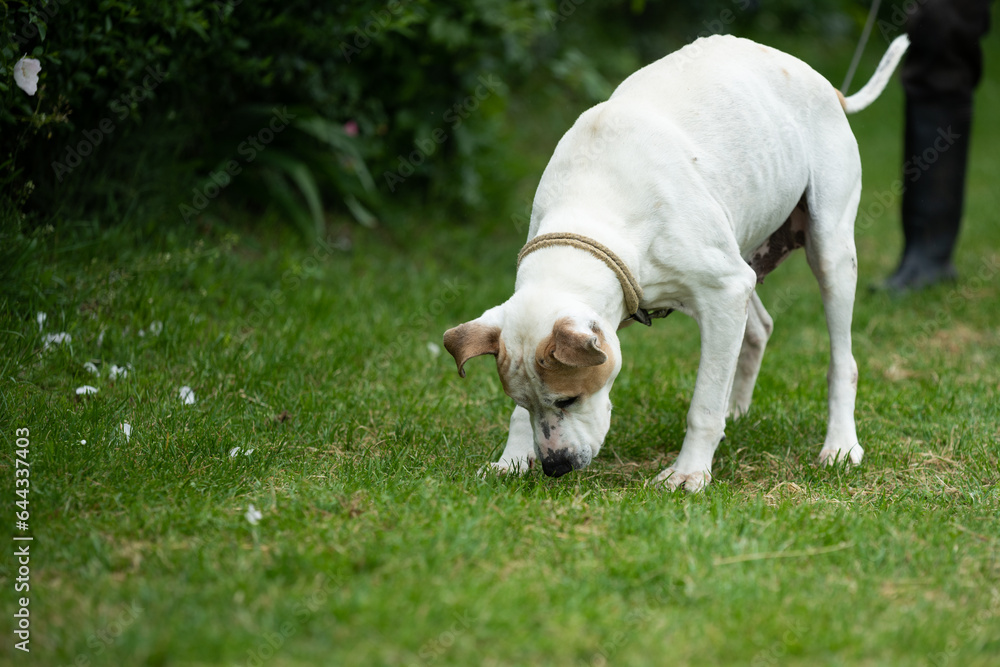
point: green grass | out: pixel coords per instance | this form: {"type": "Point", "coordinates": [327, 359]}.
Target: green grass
{"type": "Point", "coordinates": [378, 543]}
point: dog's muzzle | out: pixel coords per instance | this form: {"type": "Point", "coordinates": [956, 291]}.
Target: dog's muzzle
{"type": "Point", "coordinates": [556, 466]}
{"type": "Point", "coordinates": [558, 463]}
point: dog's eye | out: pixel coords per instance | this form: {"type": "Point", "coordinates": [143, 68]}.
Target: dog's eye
{"type": "Point", "coordinates": [564, 403]}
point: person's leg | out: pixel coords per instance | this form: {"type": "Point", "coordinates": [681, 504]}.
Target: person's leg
{"type": "Point", "coordinates": [937, 146]}
{"type": "Point", "coordinates": [942, 68]}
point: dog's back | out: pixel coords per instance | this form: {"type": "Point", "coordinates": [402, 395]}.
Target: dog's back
{"type": "Point", "coordinates": [726, 116]}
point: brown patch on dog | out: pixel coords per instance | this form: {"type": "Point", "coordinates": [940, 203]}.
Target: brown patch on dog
{"type": "Point", "coordinates": [790, 236]}
{"type": "Point", "coordinates": [572, 363]}
{"type": "Point", "coordinates": [843, 100]}
{"type": "Point", "coordinates": [576, 348]}
{"type": "Point", "coordinates": [469, 340]}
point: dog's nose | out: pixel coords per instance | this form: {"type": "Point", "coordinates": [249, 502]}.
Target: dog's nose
{"type": "Point", "coordinates": [556, 465]}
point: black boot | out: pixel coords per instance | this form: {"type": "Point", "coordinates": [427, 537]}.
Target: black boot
{"type": "Point", "coordinates": [936, 150]}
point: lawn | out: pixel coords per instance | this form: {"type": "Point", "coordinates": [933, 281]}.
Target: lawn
{"type": "Point", "coordinates": [322, 398]}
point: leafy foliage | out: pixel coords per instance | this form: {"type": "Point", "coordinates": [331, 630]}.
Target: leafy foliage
{"type": "Point", "coordinates": [142, 103]}
{"type": "Point", "coordinates": [366, 80]}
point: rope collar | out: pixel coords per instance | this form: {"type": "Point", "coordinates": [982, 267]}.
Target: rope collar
{"type": "Point", "coordinates": [630, 286]}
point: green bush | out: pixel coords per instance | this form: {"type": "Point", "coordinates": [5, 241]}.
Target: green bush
{"type": "Point", "coordinates": [152, 111]}
{"type": "Point", "coordinates": [360, 88]}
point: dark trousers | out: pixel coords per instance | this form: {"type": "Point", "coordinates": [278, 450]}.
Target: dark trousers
{"type": "Point", "coordinates": [942, 68]}
{"type": "Point", "coordinates": [945, 59]}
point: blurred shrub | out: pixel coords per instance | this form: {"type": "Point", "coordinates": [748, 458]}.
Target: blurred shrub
{"type": "Point", "coordinates": [364, 93]}
{"type": "Point", "coordinates": [298, 104]}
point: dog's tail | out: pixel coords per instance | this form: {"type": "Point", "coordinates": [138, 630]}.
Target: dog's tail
{"type": "Point", "coordinates": [871, 90]}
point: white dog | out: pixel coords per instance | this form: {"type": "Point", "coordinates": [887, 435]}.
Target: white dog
{"type": "Point", "coordinates": [681, 192]}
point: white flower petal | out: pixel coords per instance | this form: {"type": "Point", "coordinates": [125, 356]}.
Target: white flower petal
{"type": "Point", "coordinates": [253, 515]}
{"type": "Point", "coordinates": [434, 349]}
{"type": "Point", "coordinates": [117, 372]}
{"type": "Point", "coordinates": [156, 327]}
{"type": "Point", "coordinates": [56, 339]}
{"type": "Point", "coordinates": [91, 368]}
{"type": "Point", "coordinates": [248, 452]}
{"type": "Point", "coordinates": [83, 442]}
{"type": "Point", "coordinates": [127, 430]}
{"type": "Point", "coordinates": [100, 338]}
{"type": "Point", "coordinates": [26, 74]}
{"type": "Point", "coordinates": [233, 452]}
{"type": "Point", "coordinates": [187, 395]}
{"type": "Point", "coordinates": [86, 390]}
{"type": "Point", "coordinates": [41, 317]}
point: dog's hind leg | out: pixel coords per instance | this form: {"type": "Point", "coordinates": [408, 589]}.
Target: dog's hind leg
{"type": "Point", "coordinates": [832, 257]}
{"type": "Point", "coordinates": [759, 327]}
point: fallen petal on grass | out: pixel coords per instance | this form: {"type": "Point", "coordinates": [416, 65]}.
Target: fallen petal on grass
{"type": "Point", "coordinates": [127, 430]}
{"type": "Point", "coordinates": [41, 317]}
{"type": "Point", "coordinates": [187, 395]}
{"type": "Point", "coordinates": [56, 339]}
{"type": "Point", "coordinates": [233, 452]}
{"type": "Point", "coordinates": [86, 390]}
{"type": "Point", "coordinates": [156, 327]}
{"type": "Point", "coordinates": [91, 368]}
{"type": "Point", "coordinates": [118, 371]}
{"type": "Point", "coordinates": [253, 515]}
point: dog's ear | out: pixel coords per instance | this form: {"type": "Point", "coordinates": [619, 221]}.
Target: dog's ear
{"type": "Point", "coordinates": [471, 340]}
{"type": "Point", "coordinates": [576, 346]}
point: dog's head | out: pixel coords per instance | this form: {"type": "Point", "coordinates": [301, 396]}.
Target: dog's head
{"type": "Point", "coordinates": [559, 367]}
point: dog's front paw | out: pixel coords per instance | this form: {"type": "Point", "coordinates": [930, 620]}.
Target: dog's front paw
{"type": "Point", "coordinates": [517, 466]}
{"type": "Point", "coordinates": [834, 455]}
{"type": "Point", "coordinates": [672, 479]}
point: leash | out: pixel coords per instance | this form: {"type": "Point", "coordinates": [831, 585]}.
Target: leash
{"type": "Point", "coordinates": [865, 34]}
{"type": "Point", "coordinates": [630, 286]}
